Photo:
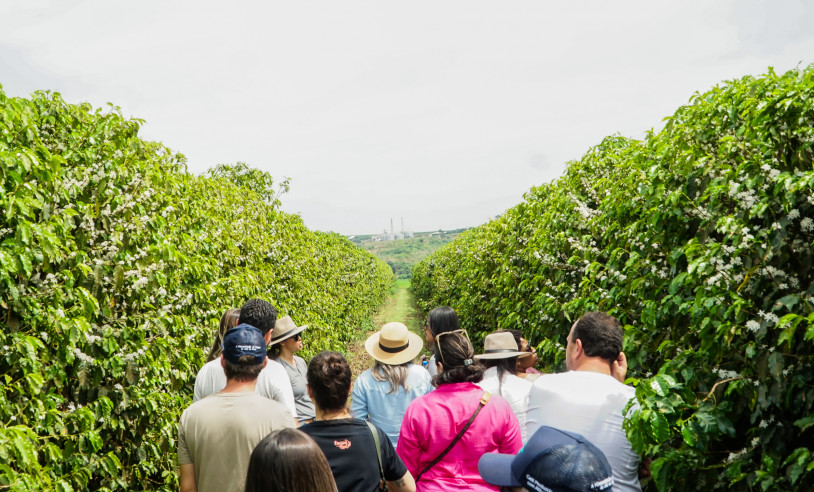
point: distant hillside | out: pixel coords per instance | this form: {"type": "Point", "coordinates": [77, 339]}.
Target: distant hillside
{"type": "Point", "coordinates": [402, 254]}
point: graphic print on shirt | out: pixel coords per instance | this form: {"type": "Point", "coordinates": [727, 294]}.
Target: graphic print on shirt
{"type": "Point", "coordinates": [343, 445]}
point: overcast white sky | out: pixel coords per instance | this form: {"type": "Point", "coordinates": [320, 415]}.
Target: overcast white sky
{"type": "Point", "coordinates": [440, 112]}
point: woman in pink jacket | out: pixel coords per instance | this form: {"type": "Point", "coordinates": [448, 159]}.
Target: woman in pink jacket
{"type": "Point", "coordinates": [458, 422]}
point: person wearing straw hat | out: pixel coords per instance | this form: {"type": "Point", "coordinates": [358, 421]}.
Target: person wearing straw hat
{"type": "Point", "coordinates": [500, 356]}
{"type": "Point", "coordinates": [286, 340]}
{"type": "Point", "coordinates": [382, 393]}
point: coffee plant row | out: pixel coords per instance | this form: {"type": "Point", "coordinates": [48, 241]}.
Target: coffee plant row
{"type": "Point", "coordinates": [700, 240]}
{"type": "Point", "coordinates": [115, 266]}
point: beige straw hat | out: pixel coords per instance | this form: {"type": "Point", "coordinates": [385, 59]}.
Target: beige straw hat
{"type": "Point", "coordinates": [500, 346]}
{"type": "Point", "coordinates": [284, 329]}
{"type": "Point", "coordinates": [394, 344]}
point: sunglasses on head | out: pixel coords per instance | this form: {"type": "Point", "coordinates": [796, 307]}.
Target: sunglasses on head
{"type": "Point", "coordinates": [438, 341]}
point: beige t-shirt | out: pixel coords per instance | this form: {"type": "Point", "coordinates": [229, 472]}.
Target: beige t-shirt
{"type": "Point", "coordinates": [217, 435]}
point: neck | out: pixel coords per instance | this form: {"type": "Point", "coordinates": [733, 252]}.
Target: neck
{"type": "Point", "coordinates": [287, 355]}
{"type": "Point", "coordinates": [594, 364]}
{"type": "Point", "coordinates": [233, 386]}
{"type": "Point", "coordinates": [331, 414]}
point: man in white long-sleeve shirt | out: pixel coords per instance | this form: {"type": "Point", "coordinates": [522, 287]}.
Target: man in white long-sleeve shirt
{"type": "Point", "coordinates": [272, 382]}
{"type": "Point", "coordinates": [589, 399]}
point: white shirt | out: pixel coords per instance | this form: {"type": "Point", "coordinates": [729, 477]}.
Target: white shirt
{"type": "Point", "coordinates": [272, 383]}
{"type": "Point", "coordinates": [432, 367]}
{"type": "Point", "coordinates": [515, 390]}
{"type": "Point", "coordinates": [591, 404]}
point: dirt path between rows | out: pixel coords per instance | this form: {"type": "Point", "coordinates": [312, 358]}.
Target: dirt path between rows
{"type": "Point", "coordinates": [399, 306]}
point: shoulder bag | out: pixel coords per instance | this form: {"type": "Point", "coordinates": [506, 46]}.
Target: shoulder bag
{"type": "Point", "coordinates": [378, 442]}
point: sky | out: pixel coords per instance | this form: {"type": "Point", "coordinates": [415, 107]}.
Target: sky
{"type": "Point", "coordinates": [440, 113]}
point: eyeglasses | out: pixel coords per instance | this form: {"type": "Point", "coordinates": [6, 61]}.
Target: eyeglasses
{"type": "Point", "coordinates": [438, 341]}
{"type": "Point", "coordinates": [297, 337]}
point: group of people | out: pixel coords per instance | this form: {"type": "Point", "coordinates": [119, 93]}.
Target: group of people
{"type": "Point", "coordinates": [264, 420]}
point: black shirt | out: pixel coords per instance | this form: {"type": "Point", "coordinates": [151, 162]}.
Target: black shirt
{"type": "Point", "coordinates": [349, 447]}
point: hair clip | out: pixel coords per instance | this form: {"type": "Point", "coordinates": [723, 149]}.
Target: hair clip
{"type": "Point", "coordinates": [468, 362]}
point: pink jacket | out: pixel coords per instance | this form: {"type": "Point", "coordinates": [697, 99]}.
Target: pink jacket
{"type": "Point", "coordinates": [433, 420]}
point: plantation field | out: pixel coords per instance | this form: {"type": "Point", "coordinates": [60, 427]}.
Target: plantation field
{"type": "Point", "coordinates": [116, 264]}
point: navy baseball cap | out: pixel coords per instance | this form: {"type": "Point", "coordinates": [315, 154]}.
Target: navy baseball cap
{"type": "Point", "coordinates": [243, 340]}
{"type": "Point", "coordinates": [552, 460]}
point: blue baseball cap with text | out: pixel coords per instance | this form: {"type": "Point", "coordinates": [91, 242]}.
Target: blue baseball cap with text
{"type": "Point", "coordinates": [244, 340]}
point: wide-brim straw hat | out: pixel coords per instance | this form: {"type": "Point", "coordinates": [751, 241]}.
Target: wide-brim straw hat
{"type": "Point", "coordinates": [284, 329]}
{"type": "Point", "coordinates": [394, 344]}
{"type": "Point", "coordinates": [500, 346]}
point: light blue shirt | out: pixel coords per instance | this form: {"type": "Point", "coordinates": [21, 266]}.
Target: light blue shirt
{"type": "Point", "coordinates": [371, 400]}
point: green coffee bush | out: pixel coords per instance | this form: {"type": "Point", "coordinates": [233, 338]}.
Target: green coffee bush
{"type": "Point", "coordinates": [115, 266]}
{"type": "Point", "coordinates": [700, 240]}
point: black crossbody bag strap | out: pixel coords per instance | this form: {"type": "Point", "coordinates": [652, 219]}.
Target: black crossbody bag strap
{"type": "Point", "coordinates": [483, 400]}
{"type": "Point", "coordinates": [377, 441]}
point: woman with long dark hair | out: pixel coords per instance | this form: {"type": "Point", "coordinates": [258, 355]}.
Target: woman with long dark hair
{"type": "Point", "coordinates": [360, 454]}
{"type": "Point", "coordinates": [442, 319]}
{"type": "Point", "coordinates": [382, 393]}
{"type": "Point", "coordinates": [288, 460]}
{"type": "Point", "coordinates": [446, 431]}
{"type": "Point", "coordinates": [500, 356]}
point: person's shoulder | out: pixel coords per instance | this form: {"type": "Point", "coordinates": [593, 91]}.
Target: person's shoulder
{"type": "Point", "coordinates": [557, 378]}
{"type": "Point", "coordinates": [264, 401]}
{"type": "Point", "coordinates": [273, 366]}
{"type": "Point", "coordinates": [499, 402]}
{"type": "Point", "coordinates": [210, 367]}
{"type": "Point", "coordinates": [275, 374]}
{"type": "Point", "coordinates": [272, 408]}
{"type": "Point", "coordinates": [202, 406]}
{"type": "Point", "coordinates": [519, 382]}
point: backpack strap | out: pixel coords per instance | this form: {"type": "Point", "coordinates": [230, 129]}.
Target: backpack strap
{"type": "Point", "coordinates": [378, 442]}
{"type": "Point", "coordinates": [484, 399]}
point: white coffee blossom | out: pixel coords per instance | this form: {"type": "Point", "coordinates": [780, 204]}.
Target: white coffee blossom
{"type": "Point", "coordinates": [82, 356]}
{"type": "Point", "coordinates": [793, 214]}
{"type": "Point", "coordinates": [807, 224]}
{"type": "Point", "coordinates": [725, 374]}
{"type": "Point", "coordinates": [752, 325]}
